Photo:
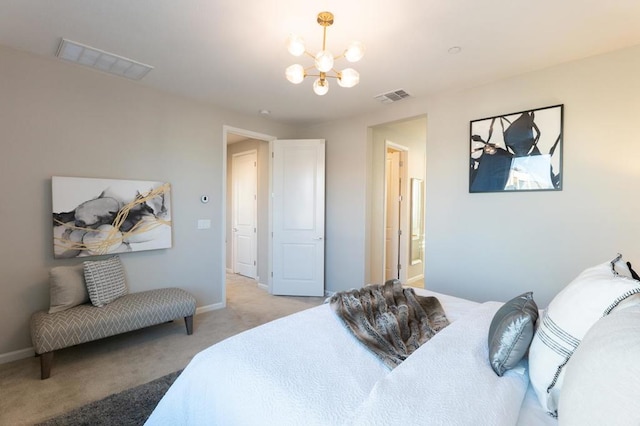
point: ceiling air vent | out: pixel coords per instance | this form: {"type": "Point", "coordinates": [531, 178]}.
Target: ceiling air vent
{"type": "Point", "coordinates": [104, 61]}
{"type": "Point", "coordinates": [394, 96]}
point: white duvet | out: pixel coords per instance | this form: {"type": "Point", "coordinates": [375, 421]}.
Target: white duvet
{"type": "Point", "coordinates": [307, 369]}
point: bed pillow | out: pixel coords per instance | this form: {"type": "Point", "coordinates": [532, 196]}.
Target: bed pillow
{"type": "Point", "coordinates": [593, 294]}
{"type": "Point", "coordinates": [105, 280]}
{"type": "Point", "coordinates": [511, 332]}
{"type": "Point", "coordinates": [66, 288]}
{"type": "Point", "coordinates": [601, 384]}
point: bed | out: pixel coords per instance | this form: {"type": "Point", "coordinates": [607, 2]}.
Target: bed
{"type": "Point", "coordinates": [309, 369]}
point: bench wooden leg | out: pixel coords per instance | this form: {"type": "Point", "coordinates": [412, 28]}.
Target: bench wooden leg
{"type": "Point", "coordinates": [46, 359]}
{"type": "Point", "coordinates": [188, 321]}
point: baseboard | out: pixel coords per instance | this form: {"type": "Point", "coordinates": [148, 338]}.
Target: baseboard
{"type": "Point", "coordinates": [213, 307]}
{"type": "Point", "coordinates": [416, 278]}
{"type": "Point", "coordinates": [16, 355]}
{"type": "Point", "coordinates": [263, 286]}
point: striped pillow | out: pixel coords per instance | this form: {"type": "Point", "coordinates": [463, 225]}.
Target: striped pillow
{"type": "Point", "coordinates": [105, 280]}
{"type": "Point", "coordinates": [593, 294]}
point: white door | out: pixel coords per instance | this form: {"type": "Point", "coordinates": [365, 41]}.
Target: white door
{"type": "Point", "coordinates": [298, 187]}
{"type": "Point", "coordinates": [392, 222]}
{"type": "Point", "coordinates": [244, 213]}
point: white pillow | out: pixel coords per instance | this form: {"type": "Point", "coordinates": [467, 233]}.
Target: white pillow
{"type": "Point", "coordinates": [601, 384]}
{"type": "Point", "coordinates": [67, 288]}
{"type": "Point", "coordinates": [105, 280]}
{"type": "Point", "coordinates": [589, 297]}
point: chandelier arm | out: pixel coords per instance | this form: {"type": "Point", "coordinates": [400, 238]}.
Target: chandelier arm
{"type": "Point", "coordinates": [324, 76]}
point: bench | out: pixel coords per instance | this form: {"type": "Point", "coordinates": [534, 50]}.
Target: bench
{"type": "Point", "coordinates": [85, 323]}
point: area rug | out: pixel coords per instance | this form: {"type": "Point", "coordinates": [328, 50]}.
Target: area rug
{"type": "Point", "coordinates": [130, 407]}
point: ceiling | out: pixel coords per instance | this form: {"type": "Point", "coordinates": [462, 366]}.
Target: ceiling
{"type": "Point", "coordinates": [232, 53]}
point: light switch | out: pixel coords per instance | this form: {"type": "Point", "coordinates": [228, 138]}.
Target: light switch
{"type": "Point", "coordinates": [204, 223]}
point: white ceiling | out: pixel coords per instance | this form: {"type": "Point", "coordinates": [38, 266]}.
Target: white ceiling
{"type": "Point", "coordinates": [232, 53]}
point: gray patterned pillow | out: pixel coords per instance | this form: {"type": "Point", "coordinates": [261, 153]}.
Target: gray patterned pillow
{"type": "Point", "coordinates": [511, 332]}
{"type": "Point", "coordinates": [105, 280]}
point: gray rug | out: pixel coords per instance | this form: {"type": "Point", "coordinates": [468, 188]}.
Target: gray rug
{"type": "Point", "coordinates": [130, 407]}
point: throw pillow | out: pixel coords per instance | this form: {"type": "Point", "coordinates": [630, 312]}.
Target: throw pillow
{"type": "Point", "coordinates": [601, 384]}
{"type": "Point", "coordinates": [593, 294]}
{"type": "Point", "coordinates": [67, 288]}
{"type": "Point", "coordinates": [105, 280]}
{"type": "Point", "coordinates": [511, 331]}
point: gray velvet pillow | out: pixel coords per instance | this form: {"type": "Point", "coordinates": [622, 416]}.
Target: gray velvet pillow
{"type": "Point", "coordinates": [66, 288]}
{"type": "Point", "coordinates": [105, 280]}
{"type": "Point", "coordinates": [511, 332]}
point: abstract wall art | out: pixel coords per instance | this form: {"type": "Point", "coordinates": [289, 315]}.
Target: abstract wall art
{"type": "Point", "coordinates": [105, 216]}
{"type": "Point", "coordinates": [520, 151]}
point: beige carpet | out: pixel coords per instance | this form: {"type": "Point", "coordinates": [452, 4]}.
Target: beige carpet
{"type": "Point", "coordinates": [94, 370]}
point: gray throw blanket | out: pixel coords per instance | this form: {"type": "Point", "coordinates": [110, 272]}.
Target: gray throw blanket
{"type": "Point", "coordinates": [389, 320]}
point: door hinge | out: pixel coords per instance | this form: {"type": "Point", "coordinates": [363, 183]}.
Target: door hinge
{"type": "Point", "coordinates": [401, 163]}
{"type": "Point", "coordinates": [399, 266]}
{"type": "Point", "coordinates": [254, 263]}
{"type": "Point", "coordinates": [255, 164]}
{"type": "Point", "coordinates": [399, 232]}
{"type": "Point", "coordinates": [255, 230]}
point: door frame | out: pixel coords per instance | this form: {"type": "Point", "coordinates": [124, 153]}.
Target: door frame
{"type": "Point", "coordinates": [226, 129]}
{"type": "Point", "coordinates": [403, 254]}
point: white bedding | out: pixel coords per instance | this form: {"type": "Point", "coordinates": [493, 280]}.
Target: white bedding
{"type": "Point", "coordinates": [307, 369]}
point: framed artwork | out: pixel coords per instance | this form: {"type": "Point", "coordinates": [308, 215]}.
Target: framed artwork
{"type": "Point", "coordinates": [521, 151]}
{"type": "Point", "coordinates": [106, 216]}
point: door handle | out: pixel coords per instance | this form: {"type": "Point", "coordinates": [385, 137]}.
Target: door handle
{"type": "Point", "coordinates": [235, 229]}
{"type": "Point", "coordinates": [317, 238]}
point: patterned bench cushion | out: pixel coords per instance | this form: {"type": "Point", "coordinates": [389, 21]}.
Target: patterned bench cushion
{"type": "Point", "coordinates": [86, 322]}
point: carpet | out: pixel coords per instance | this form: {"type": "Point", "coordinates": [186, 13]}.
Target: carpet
{"type": "Point", "coordinates": [130, 407]}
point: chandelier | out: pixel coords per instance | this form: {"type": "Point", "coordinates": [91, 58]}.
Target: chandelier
{"type": "Point", "coordinates": [324, 60]}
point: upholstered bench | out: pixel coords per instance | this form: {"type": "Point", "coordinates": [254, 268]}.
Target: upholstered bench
{"type": "Point", "coordinates": [86, 322]}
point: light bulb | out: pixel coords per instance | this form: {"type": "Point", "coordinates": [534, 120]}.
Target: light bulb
{"type": "Point", "coordinates": [321, 87]}
{"type": "Point", "coordinates": [348, 77]}
{"type": "Point", "coordinates": [324, 61]}
{"type": "Point", "coordinates": [295, 73]}
{"type": "Point", "coordinates": [295, 45]}
{"type": "Point", "coordinates": [354, 52]}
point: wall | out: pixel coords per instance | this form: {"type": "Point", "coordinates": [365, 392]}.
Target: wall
{"type": "Point", "coordinates": [494, 246]}
{"type": "Point", "coordinates": [58, 119]}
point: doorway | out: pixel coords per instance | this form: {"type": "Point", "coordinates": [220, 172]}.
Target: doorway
{"type": "Point", "coordinates": [395, 224]}
{"type": "Point", "coordinates": [244, 213]}
{"type": "Point", "coordinates": [246, 223]}
{"type": "Point", "coordinates": [408, 136]}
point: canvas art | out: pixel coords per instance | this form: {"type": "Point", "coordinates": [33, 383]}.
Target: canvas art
{"type": "Point", "coordinates": [520, 151]}
{"type": "Point", "coordinates": [106, 216]}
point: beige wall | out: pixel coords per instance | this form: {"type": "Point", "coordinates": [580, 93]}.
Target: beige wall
{"type": "Point", "coordinates": [494, 246]}
{"type": "Point", "coordinates": [59, 119]}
